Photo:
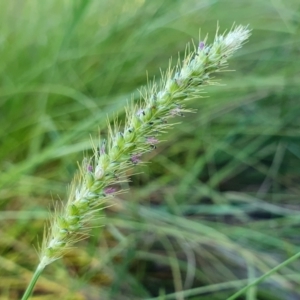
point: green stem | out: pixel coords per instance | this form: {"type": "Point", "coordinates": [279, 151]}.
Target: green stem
{"type": "Point", "coordinates": [32, 283]}
{"type": "Point", "coordinates": [265, 276]}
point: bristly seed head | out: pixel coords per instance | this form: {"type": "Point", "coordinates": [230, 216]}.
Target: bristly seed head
{"type": "Point", "coordinates": [116, 155]}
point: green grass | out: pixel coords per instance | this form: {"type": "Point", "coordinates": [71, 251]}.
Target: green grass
{"type": "Point", "coordinates": [218, 205]}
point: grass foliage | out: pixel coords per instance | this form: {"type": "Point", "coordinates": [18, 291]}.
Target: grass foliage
{"type": "Point", "coordinates": [219, 204]}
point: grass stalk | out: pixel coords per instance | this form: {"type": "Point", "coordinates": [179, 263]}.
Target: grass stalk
{"type": "Point", "coordinates": [95, 184]}
{"type": "Point", "coordinates": [32, 282]}
{"type": "Point", "coordinates": [264, 276]}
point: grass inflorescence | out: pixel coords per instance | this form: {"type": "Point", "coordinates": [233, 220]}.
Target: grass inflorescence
{"type": "Point", "coordinates": [123, 148]}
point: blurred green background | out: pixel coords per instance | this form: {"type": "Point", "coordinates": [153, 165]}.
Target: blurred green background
{"type": "Point", "coordinates": [219, 203]}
